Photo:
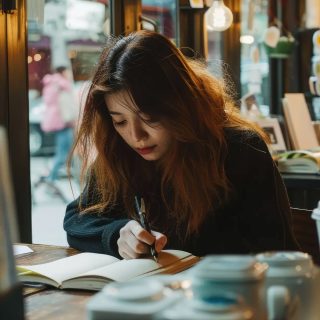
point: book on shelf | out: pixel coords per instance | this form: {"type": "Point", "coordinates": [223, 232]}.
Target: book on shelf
{"type": "Point", "coordinates": [298, 120]}
{"type": "Point", "coordinates": [299, 161]}
{"type": "Point", "coordinates": [92, 271]}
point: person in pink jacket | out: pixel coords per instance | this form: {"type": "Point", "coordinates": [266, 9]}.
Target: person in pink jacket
{"type": "Point", "coordinates": [54, 119]}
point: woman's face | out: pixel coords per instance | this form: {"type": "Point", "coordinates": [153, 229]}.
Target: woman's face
{"type": "Point", "coordinates": [148, 138]}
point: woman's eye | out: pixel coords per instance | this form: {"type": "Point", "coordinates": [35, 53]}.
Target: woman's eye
{"type": "Point", "coordinates": [119, 123]}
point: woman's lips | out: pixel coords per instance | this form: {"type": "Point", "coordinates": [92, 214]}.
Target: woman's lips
{"type": "Point", "coordinates": [146, 150]}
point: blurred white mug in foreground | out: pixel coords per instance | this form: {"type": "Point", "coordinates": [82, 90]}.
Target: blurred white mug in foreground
{"type": "Point", "coordinates": [295, 271]}
{"type": "Point", "coordinates": [242, 275]}
{"type": "Point", "coordinates": [316, 216]}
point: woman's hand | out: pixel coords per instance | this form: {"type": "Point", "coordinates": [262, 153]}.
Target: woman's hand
{"type": "Point", "coordinates": [134, 241]}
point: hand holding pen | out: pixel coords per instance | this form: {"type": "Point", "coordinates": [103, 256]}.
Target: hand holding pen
{"type": "Point", "coordinates": [135, 240]}
{"type": "Point", "coordinates": [145, 224]}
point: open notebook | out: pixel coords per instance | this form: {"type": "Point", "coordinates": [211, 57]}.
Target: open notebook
{"type": "Point", "coordinates": [92, 271]}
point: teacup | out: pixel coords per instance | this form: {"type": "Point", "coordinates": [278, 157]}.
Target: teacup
{"type": "Point", "coordinates": [136, 299]}
{"type": "Point", "coordinates": [241, 275]}
{"type": "Point", "coordinates": [314, 85]}
{"type": "Point", "coordinates": [223, 307]}
{"type": "Point", "coordinates": [316, 66]}
{"type": "Point", "coordinates": [296, 271]}
{"type": "Point", "coordinates": [316, 212]}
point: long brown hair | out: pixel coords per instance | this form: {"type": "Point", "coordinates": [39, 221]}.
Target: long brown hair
{"type": "Point", "coordinates": [193, 105]}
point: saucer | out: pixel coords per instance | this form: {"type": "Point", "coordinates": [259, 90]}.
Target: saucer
{"type": "Point", "coordinates": [145, 289]}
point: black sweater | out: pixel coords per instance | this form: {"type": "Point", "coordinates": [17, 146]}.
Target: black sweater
{"type": "Point", "coordinates": [256, 217]}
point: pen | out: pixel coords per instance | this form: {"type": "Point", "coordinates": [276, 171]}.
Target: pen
{"type": "Point", "coordinates": [141, 209]}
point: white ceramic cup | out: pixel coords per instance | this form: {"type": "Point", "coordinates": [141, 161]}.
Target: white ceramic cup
{"type": "Point", "coordinates": [241, 275]}
{"type": "Point", "coordinates": [295, 271]}
{"type": "Point", "coordinates": [136, 299]}
{"type": "Point", "coordinates": [314, 83]}
{"type": "Point", "coordinates": [316, 66]}
{"type": "Point", "coordinates": [223, 307]}
{"type": "Point", "coordinates": [316, 216]}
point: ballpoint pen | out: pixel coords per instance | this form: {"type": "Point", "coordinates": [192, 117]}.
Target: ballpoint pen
{"type": "Point", "coordinates": [141, 209]}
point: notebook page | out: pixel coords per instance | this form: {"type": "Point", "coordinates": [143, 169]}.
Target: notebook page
{"type": "Point", "coordinates": [69, 267]}
{"type": "Point", "coordinates": [128, 269]}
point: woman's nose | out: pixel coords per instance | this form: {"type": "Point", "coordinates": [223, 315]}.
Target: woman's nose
{"type": "Point", "coordinates": [138, 133]}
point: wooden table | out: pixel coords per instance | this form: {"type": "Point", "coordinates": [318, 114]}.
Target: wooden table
{"type": "Point", "coordinates": [52, 304]}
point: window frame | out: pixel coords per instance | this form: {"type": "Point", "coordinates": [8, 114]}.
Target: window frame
{"type": "Point", "coordinates": [14, 115]}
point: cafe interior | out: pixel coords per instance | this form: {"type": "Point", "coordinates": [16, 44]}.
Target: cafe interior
{"type": "Point", "coordinates": [268, 50]}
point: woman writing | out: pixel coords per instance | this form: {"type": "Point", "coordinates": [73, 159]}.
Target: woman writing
{"type": "Point", "coordinates": [162, 127]}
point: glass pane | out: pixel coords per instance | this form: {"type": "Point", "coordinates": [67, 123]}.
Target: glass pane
{"type": "Point", "coordinates": [214, 59]}
{"type": "Point", "coordinates": [215, 63]}
{"type": "Point", "coordinates": [254, 61]}
{"type": "Point", "coordinates": [161, 16]}
{"type": "Point", "coordinates": [68, 34]}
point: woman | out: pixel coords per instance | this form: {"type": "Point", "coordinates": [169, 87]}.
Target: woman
{"type": "Point", "coordinates": [162, 127]}
{"type": "Point", "coordinates": [53, 121]}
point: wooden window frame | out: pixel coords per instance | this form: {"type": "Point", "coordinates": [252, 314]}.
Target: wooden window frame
{"type": "Point", "coordinates": [14, 110]}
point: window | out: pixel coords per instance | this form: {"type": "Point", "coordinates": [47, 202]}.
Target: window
{"type": "Point", "coordinates": [161, 16]}
{"type": "Point", "coordinates": [66, 33]}
{"type": "Point", "coordinates": [254, 61]}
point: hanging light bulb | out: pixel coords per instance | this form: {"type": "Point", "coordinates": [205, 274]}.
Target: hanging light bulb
{"type": "Point", "coordinates": [218, 17]}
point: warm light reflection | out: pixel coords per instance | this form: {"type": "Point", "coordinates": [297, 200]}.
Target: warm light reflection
{"type": "Point", "coordinates": [72, 54]}
{"type": "Point", "coordinates": [37, 57]}
{"type": "Point", "coordinates": [219, 17]}
{"type": "Point", "coordinates": [30, 59]}
{"type": "Point", "coordinates": [247, 39]}
{"type": "Point", "coordinates": [185, 284]}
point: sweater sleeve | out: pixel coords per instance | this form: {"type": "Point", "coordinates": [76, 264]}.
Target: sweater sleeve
{"type": "Point", "coordinates": [93, 232]}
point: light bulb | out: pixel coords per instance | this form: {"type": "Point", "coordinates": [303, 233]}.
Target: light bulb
{"type": "Point", "coordinates": [218, 17]}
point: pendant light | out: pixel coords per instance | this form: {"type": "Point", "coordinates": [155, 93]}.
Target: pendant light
{"type": "Point", "coordinates": [218, 17]}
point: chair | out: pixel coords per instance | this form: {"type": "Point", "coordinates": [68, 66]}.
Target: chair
{"type": "Point", "coordinates": [305, 231]}
{"type": "Point", "coordinates": [54, 189]}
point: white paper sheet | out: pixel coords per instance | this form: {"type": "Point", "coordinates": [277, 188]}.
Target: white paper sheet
{"type": "Point", "coordinates": [20, 249]}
